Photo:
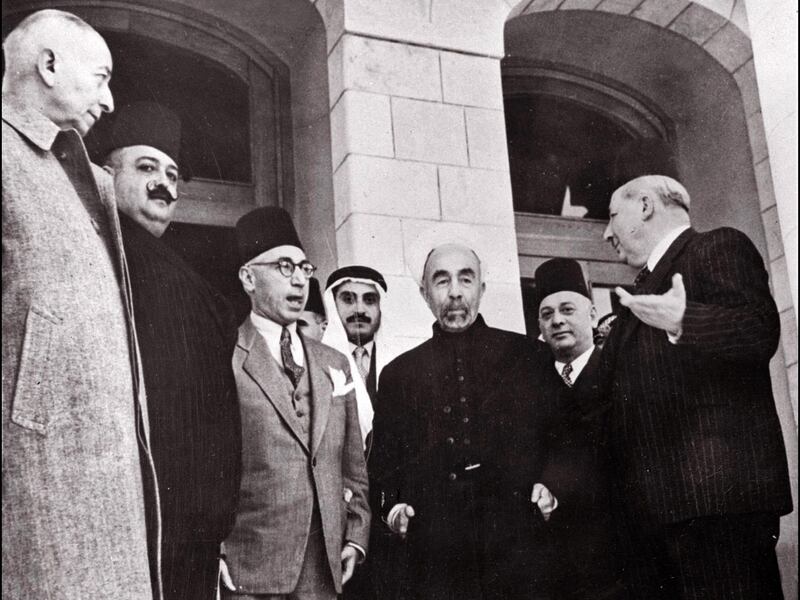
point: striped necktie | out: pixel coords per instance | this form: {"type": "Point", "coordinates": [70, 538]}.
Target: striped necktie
{"type": "Point", "coordinates": [292, 369]}
{"type": "Point", "coordinates": [362, 362]}
{"type": "Point", "coordinates": [565, 374]}
{"type": "Point", "coordinates": [641, 276]}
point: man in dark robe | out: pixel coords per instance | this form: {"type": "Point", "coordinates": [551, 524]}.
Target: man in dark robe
{"type": "Point", "coordinates": [186, 332]}
{"type": "Point", "coordinates": [458, 445]}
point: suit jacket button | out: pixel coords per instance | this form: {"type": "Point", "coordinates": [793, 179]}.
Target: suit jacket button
{"type": "Point", "coordinates": [452, 477]}
{"type": "Point", "coordinates": [447, 410]}
{"type": "Point", "coordinates": [451, 441]}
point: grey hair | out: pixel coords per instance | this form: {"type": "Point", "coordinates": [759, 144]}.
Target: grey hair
{"type": "Point", "coordinates": [668, 190]}
{"type": "Point", "coordinates": [33, 34]}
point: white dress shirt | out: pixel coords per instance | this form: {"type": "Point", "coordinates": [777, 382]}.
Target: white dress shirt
{"type": "Point", "coordinates": [662, 246]}
{"type": "Point", "coordinates": [271, 332]}
{"type": "Point", "coordinates": [577, 365]}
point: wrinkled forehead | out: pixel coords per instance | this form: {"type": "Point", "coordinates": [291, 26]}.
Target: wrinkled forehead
{"type": "Point", "coordinates": [452, 258]}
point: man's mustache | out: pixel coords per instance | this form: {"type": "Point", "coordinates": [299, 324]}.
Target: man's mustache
{"type": "Point", "coordinates": [451, 306]}
{"type": "Point", "coordinates": [160, 192]}
{"type": "Point", "coordinates": [358, 318]}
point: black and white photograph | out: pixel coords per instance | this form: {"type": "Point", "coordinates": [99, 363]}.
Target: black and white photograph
{"type": "Point", "coordinates": [399, 299]}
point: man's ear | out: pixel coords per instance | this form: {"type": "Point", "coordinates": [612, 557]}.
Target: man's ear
{"type": "Point", "coordinates": [246, 277]}
{"type": "Point", "coordinates": [647, 206]}
{"type": "Point", "coordinates": [46, 67]}
{"type": "Point", "coordinates": [593, 315]}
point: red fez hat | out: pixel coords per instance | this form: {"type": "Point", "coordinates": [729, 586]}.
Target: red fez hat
{"type": "Point", "coordinates": [145, 124]}
{"type": "Point", "coordinates": [262, 229]}
{"type": "Point", "coordinates": [314, 302]}
{"type": "Point", "coordinates": [559, 275]}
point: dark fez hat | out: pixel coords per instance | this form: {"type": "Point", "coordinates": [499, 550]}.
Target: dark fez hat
{"type": "Point", "coordinates": [263, 229]}
{"type": "Point", "coordinates": [356, 272]}
{"type": "Point", "coordinates": [559, 275]}
{"type": "Point", "coordinates": [314, 302]}
{"type": "Point", "coordinates": [145, 124]}
{"type": "Point", "coordinates": [646, 156]}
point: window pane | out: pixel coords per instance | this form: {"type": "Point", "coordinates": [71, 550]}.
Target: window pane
{"type": "Point", "coordinates": [561, 155]}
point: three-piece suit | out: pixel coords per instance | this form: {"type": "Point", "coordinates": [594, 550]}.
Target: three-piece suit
{"type": "Point", "coordinates": [303, 472]}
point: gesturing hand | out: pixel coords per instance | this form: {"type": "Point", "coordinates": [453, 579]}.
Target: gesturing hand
{"type": "Point", "coordinates": [662, 311]}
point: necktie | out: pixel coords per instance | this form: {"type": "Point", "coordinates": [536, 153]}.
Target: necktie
{"type": "Point", "coordinates": [362, 362]}
{"type": "Point", "coordinates": [640, 278]}
{"type": "Point", "coordinates": [292, 369]}
{"type": "Point", "coordinates": [565, 374]}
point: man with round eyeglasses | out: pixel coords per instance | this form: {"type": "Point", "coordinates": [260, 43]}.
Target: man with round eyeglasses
{"type": "Point", "coordinates": [303, 518]}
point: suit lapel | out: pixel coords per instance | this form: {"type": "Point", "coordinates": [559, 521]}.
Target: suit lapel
{"type": "Point", "coordinates": [653, 283]}
{"type": "Point", "coordinates": [263, 369]}
{"type": "Point", "coordinates": [321, 394]}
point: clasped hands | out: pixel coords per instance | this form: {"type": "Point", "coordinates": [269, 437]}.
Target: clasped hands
{"type": "Point", "coordinates": [662, 311]}
{"type": "Point", "coordinates": [401, 514]}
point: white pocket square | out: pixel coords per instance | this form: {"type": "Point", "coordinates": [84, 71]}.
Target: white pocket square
{"type": "Point", "coordinates": [339, 380]}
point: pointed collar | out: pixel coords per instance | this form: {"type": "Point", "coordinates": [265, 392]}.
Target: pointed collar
{"type": "Point", "coordinates": [31, 124]}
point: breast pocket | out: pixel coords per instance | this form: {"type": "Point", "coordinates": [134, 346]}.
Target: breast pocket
{"type": "Point", "coordinates": [38, 377]}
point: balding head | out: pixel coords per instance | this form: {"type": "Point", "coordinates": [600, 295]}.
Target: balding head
{"type": "Point", "coordinates": [58, 65]}
{"type": "Point", "coordinates": [452, 286]}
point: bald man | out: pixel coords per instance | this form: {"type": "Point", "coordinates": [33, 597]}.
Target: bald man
{"type": "Point", "coordinates": [73, 419]}
{"type": "Point", "coordinates": [458, 442]}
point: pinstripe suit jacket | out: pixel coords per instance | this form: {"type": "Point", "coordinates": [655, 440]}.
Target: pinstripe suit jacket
{"type": "Point", "coordinates": [694, 428]}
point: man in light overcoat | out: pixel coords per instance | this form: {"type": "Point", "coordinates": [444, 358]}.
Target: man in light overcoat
{"type": "Point", "coordinates": [74, 417]}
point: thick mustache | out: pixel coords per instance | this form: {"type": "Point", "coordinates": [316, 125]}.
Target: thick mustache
{"type": "Point", "coordinates": [358, 319]}
{"type": "Point", "coordinates": [160, 192]}
{"type": "Point", "coordinates": [453, 306]}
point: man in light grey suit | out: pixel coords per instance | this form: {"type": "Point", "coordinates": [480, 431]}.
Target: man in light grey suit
{"type": "Point", "coordinates": [303, 518]}
{"type": "Point", "coordinates": [73, 410]}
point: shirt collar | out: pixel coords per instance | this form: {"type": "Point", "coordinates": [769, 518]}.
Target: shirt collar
{"type": "Point", "coordinates": [368, 347]}
{"type": "Point", "coordinates": [662, 246]}
{"type": "Point", "coordinates": [31, 124]}
{"type": "Point", "coordinates": [269, 328]}
{"type": "Point", "coordinates": [577, 364]}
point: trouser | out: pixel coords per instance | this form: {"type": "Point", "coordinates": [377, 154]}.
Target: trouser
{"type": "Point", "coordinates": [189, 570]}
{"type": "Point", "coordinates": [315, 581]}
{"type": "Point", "coordinates": [725, 557]}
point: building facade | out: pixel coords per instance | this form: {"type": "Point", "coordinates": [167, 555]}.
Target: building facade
{"type": "Point", "coordinates": [382, 124]}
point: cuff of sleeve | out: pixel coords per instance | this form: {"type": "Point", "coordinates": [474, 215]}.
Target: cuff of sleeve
{"type": "Point", "coordinates": [362, 554]}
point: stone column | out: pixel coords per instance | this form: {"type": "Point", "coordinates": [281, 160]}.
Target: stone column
{"type": "Point", "coordinates": [419, 145]}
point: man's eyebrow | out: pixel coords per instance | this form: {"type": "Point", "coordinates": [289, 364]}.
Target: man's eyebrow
{"type": "Point", "coordinates": [440, 273]}
{"type": "Point", "coordinates": [467, 271]}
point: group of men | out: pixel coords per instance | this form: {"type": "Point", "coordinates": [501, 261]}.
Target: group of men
{"type": "Point", "coordinates": [154, 447]}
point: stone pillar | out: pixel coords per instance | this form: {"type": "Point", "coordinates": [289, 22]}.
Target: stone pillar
{"type": "Point", "coordinates": [419, 146]}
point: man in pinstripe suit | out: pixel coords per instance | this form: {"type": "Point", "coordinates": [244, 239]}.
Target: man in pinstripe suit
{"type": "Point", "coordinates": [701, 471]}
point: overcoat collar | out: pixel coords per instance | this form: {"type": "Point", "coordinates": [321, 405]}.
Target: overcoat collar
{"type": "Point", "coordinates": [31, 124]}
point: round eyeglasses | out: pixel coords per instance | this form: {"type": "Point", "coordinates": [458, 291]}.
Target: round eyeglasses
{"type": "Point", "coordinates": [287, 267]}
